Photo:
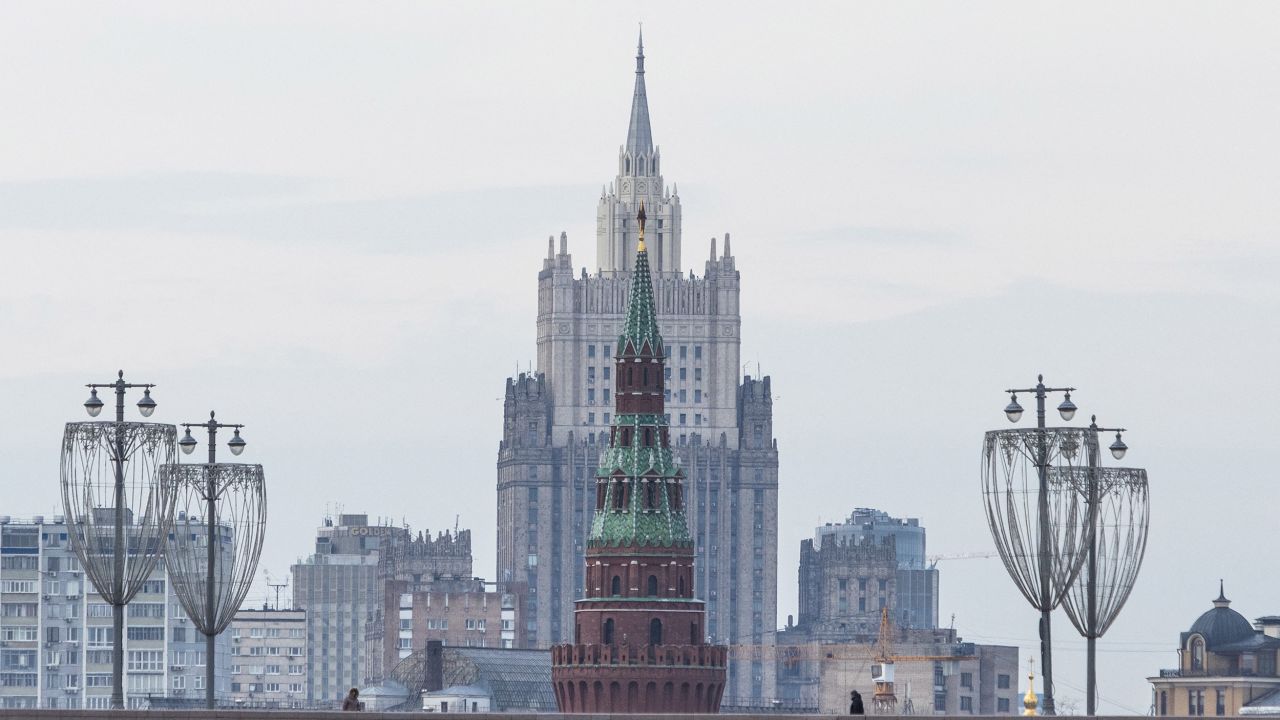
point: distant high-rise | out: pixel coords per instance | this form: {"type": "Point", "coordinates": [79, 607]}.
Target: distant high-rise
{"type": "Point", "coordinates": [338, 588]}
{"type": "Point", "coordinates": [915, 582]}
{"type": "Point", "coordinates": [556, 420]}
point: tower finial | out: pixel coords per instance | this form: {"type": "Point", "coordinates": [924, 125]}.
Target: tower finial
{"type": "Point", "coordinates": [640, 219]}
{"type": "Point", "coordinates": [639, 134]}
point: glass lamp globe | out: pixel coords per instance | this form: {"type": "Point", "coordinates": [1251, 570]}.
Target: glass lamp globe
{"type": "Point", "coordinates": [1067, 409]}
{"type": "Point", "coordinates": [146, 405]}
{"type": "Point", "coordinates": [236, 443]}
{"type": "Point", "coordinates": [1118, 448]}
{"type": "Point", "coordinates": [93, 405]}
{"type": "Point", "coordinates": [1013, 410]}
{"type": "Point", "coordinates": [187, 443]}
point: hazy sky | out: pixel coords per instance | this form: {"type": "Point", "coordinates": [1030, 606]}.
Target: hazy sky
{"type": "Point", "coordinates": [325, 221]}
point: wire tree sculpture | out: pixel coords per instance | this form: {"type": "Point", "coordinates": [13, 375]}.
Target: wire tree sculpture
{"type": "Point", "coordinates": [117, 510]}
{"type": "Point", "coordinates": [212, 553]}
{"type": "Point", "coordinates": [1114, 552]}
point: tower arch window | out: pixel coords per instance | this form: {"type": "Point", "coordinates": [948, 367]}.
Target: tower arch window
{"type": "Point", "coordinates": [646, 377]}
{"type": "Point", "coordinates": [693, 633]}
{"type": "Point", "coordinates": [650, 495]}
{"type": "Point", "coordinates": [615, 587]}
{"type": "Point", "coordinates": [648, 437]}
{"type": "Point", "coordinates": [600, 491]}
{"type": "Point", "coordinates": [608, 632]}
{"type": "Point", "coordinates": [1197, 653]}
{"type": "Point", "coordinates": [626, 164]}
{"type": "Point", "coordinates": [680, 585]}
{"type": "Point", "coordinates": [655, 632]}
{"type": "Point", "coordinates": [653, 586]}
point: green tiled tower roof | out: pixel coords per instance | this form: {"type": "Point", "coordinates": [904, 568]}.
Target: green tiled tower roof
{"type": "Point", "coordinates": [643, 520]}
{"type": "Point", "coordinates": [641, 325]}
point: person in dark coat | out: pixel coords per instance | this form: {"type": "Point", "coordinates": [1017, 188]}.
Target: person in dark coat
{"type": "Point", "coordinates": [352, 702]}
{"type": "Point", "coordinates": [855, 703]}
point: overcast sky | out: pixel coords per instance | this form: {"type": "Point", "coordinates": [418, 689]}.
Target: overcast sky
{"type": "Point", "coordinates": [325, 221]}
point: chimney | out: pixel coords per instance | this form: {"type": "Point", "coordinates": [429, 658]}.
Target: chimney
{"type": "Point", "coordinates": [435, 666]}
{"type": "Point", "coordinates": [1269, 625]}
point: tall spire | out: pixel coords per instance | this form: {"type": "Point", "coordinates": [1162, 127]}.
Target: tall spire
{"type": "Point", "coordinates": [642, 320]}
{"type": "Point", "coordinates": [639, 134]}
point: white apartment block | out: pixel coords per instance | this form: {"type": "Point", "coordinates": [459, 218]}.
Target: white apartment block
{"type": "Point", "coordinates": [56, 635]}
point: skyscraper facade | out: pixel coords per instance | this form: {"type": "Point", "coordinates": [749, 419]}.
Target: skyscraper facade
{"type": "Point", "coordinates": [556, 419]}
{"type": "Point", "coordinates": [915, 603]}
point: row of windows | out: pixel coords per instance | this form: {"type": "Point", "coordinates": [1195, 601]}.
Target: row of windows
{"type": "Point", "coordinates": [681, 351]}
{"type": "Point", "coordinates": [683, 419]}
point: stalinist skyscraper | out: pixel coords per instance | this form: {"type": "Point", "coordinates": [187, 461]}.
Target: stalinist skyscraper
{"type": "Point", "coordinates": [556, 420]}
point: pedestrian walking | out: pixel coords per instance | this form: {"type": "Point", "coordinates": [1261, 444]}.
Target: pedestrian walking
{"type": "Point", "coordinates": [855, 703]}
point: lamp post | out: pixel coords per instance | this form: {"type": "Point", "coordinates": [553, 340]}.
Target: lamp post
{"type": "Point", "coordinates": [116, 511]}
{"type": "Point", "coordinates": [212, 584]}
{"type": "Point", "coordinates": [1067, 410]}
{"type": "Point", "coordinates": [1119, 510]}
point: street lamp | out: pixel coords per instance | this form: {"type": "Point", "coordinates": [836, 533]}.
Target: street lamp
{"type": "Point", "coordinates": [1119, 510]}
{"type": "Point", "coordinates": [116, 510]}
{"type": "Point", "coordinates": [1039, 589]}
{"type": "Point", "coordinates": [212, 579]}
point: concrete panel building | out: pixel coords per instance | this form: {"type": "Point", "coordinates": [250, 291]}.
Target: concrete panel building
{"type": "Point", "coordinates": [269, 658]}
{"type": "Point", "coordinates": [556, 420]}
{"type": "Point", "coordinates": [56, 636]}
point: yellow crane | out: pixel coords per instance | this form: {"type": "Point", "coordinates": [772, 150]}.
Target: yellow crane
{"type": "Point", "coordinates": [885, 701]}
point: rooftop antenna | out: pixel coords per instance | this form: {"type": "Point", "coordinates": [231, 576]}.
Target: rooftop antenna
{"type": "Point", "coordinates": [276, 587]}
{"type": "Point", "coordinates": [457, 519]}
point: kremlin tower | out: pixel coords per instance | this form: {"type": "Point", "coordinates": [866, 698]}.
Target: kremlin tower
{"type": "Point", "coordinates": [639, 634]}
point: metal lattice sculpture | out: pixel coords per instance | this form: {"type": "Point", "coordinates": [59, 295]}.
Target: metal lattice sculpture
{"type": "Point", "coordinates": [1011, 464]}
{"type": "Point", "coordinates": [1120, 540]}
{"type": "Point", "coordinates": [117, 511]}
{"type": "Point", "coordinates": [212, 552]}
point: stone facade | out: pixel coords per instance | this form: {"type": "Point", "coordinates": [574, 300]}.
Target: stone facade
{"type": "Point", "coordinates": [915, 593]}
{"type": "Point", "coordinates": [556, 420]}
{"type": "Point", "coordinates": [935, 674]}
{"type": "Point", "coordinates": [1225, 665]}
{"type": "Point", "coordinates": [406, 567]}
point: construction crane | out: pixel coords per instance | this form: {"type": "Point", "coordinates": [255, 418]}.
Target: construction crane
{"type": "Point", "coordinates": [885, 701]}
{"type": "Point", "coordinates": [933, 559]}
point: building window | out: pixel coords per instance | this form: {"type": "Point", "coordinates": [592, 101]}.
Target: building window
{"type": "Point", "coordinates": [591, 396]}
{"type": "Point", "coordinates": [605, 370]}
{"type": "Point", "coordinates": [1002, 705]}
{"type": "Point", "coordinates": [940, 702]}
{"type": "Point", "coordinates": [682, 422]}
{"type": "Point", "coordinates": [608, 351]}
{"type": "Point", "coordinates": [1002, 682]}
{"type": "Point", "coordinates": [966, 704]}
{"type": "Point", "coordinates": [667, 373]}
{"type": "Point", "coordinates": [1164, 702]}
{"type": "Point", "coordinates": [1221, 705]}
{"type": "Point", "coordinates": [966, 678]}
{"type": "Point", "coordinates": [591, 351]}
{"type": "Point", "coordinates": [697, 396]}
{"type": "Point", "coordinates": [591, 417]}
{"type": "Point", "coordinates": [608, 631]}
{"type": "Point", "coordinates": [684, 373]}
{"type": "Point", "coordinates": [653, 586]}
{"type": "Point", "coordinates": [684, 395]}
{"type": "Point", "coordinates": [684, 351]}
{"type": "Point", "coordinates": [606, 400]}
{"type": "Point", "coordinates": [697, 352]}
{"type": "Point", "coordinates": [1197, 653]}
{"type": "Point", "coordinates": [655, 632]}
{"type": "Point", "coordinates": [606, 415]}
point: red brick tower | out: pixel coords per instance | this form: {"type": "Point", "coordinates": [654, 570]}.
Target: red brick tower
{"type": "Point", "coordinates": [639, 633]}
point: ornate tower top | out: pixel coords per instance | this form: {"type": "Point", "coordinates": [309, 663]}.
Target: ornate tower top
{"type": "Point", "coordinates": [639, 489]}
{"type": "Point", "coordinates": [639, 134]}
